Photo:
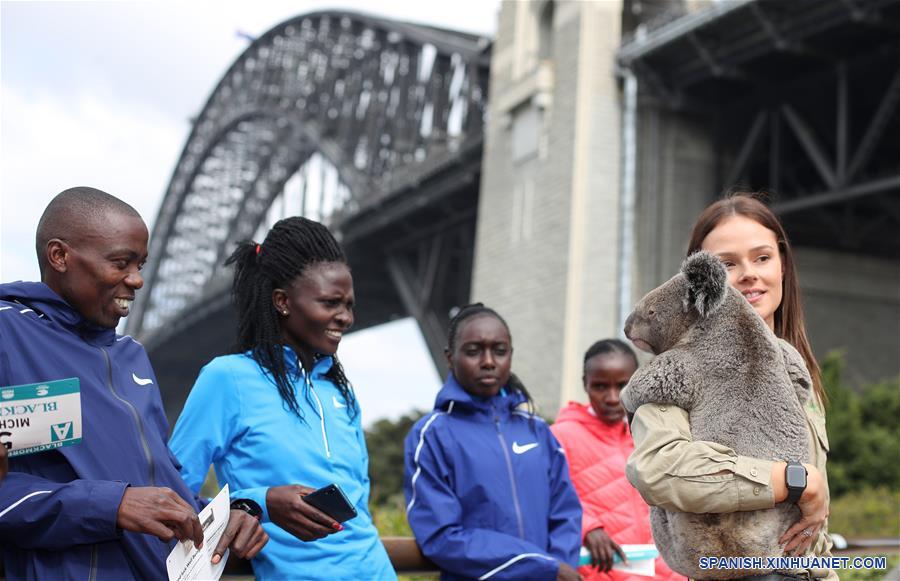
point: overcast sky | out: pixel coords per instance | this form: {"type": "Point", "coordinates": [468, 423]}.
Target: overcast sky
{"type": "Point", "coordinates": [100, 94]}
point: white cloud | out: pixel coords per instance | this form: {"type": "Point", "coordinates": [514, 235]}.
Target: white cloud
{"type": "Point", "coordinates": [391, 370]}
{"type": "Point", "coordinates": [49, 145]}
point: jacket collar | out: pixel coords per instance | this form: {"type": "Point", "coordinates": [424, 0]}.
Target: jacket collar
{"type": "Point", "coordinates": [44, 301]}
{"type": "Point", "coordinates": [583, 414]}
{"type": "Point", "coordinates": [453, 394]}
{"type": "Point", "coordinates": [321, 366]}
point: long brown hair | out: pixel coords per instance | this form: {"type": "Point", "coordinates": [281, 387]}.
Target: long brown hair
{"type": "Point", "coordinates": [789, 322]}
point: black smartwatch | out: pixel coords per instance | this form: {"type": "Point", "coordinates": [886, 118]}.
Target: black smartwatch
{"type": "Point", "coordinates": [248, 506]}
{"type": "Point", "coordinates": [795, 480]}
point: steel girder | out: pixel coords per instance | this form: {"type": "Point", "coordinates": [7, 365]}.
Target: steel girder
{"type": "Point", "coordinates": [804, 101]}
{"type": "Point", "coordinates": [384, 102]}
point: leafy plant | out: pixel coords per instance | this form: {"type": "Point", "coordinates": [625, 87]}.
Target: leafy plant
{"type": "Point", "coordinates": [385, 443]}
{"type": "Point", "coordinates": [893, 561]}
{"type": "Point", "coordinates": [866, 513]}
{"type": "Point", "coordinates": [390, 518]}
{"type": "Point", "coordinates": [863, 430]}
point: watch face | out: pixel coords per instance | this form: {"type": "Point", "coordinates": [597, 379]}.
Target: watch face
{"type": "Point", "coordinates": [795, 476]}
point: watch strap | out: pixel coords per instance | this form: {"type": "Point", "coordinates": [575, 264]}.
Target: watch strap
{"type": "Point", "coordinates": [248, 506]}
{"type": "Point", "coordinates": [794, 489]}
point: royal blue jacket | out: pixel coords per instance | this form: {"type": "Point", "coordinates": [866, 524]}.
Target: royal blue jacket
{"type": "Point", "coordinates": [58, 508]}
{"type": "Point", "coordinates": [488, 491]}
{"type": "Point", "coordinates": [235, 419]}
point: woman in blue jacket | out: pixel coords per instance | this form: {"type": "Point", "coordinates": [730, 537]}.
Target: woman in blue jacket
{"type": "Point", "coordinates": [278, 418]}
{"type": "Point", "coordinates": [487, 485]}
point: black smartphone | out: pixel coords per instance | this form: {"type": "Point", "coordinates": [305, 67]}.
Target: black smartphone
{"type": "Point", "coordinates": [332, 501]}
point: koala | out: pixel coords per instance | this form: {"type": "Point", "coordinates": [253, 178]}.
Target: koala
{"type": "Point", "coordinates": [742, 387]}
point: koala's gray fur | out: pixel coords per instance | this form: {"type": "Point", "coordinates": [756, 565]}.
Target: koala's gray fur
{"type": "Point", "coordinates": [742, 386]}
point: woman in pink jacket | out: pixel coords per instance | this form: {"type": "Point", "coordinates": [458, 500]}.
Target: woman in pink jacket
{"type": "Point", "coordinates": [597, 442]}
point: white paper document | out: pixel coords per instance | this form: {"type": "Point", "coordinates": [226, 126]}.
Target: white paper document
{"type": "Point", "coordinates": [186, 563]}
{"type": "Point", "coordinates": [40, 416]}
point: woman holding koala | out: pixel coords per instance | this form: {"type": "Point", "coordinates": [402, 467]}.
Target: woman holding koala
{"type": "Point", "coordinates": [673, 471]}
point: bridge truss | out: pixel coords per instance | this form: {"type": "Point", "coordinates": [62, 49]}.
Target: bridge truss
{"type": "Point", "coordinates": [370, 125]}
{"type": "Point", "coordinates": [816, 82]}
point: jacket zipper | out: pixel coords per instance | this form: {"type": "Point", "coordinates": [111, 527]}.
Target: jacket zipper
{"type": "Point", "coordinates": [137, 417]}
{"type": "Point", "coordinates": [321, 413]}
{"type": "Point", "coordinates": [512, 478]}
{"type": "Point", "coordinates": [93, 574]}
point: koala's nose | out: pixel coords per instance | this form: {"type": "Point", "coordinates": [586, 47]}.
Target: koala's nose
{"type": "Point", "coordinates": [628, 323]}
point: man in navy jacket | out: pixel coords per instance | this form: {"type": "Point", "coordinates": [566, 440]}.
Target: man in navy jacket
{"type": "Point", "coordinates": [111, 506]}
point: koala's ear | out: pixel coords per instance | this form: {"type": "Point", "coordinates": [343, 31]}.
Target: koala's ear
{"type": "Point", "coordinates": [707, 282]}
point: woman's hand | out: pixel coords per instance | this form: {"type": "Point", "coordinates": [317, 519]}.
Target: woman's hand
{"type": "Point", "coordinates": [602, 549]}
{"type": "Point", "coordinates": [287, 510]}
{"type": "Point", "coordinates": [567, 573]}
{"type": "Point", "coordinates": [813, 507]}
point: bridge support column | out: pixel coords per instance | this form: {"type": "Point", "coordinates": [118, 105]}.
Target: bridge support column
{"type": "Point", "coordinates": [416, 287]}
{"type": "Point", "coordinates": [548, 216]}
{"type": "Point", "coordinates": [431, 328]}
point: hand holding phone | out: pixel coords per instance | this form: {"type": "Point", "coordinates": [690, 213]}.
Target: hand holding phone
{"type": "Point", "coordinates": [332, 501]}
{"type": "Point", "coordinates": [288, 510]}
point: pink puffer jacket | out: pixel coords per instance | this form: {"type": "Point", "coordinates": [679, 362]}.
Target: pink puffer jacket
{"type": "Point", "coordinates": [596, 453]}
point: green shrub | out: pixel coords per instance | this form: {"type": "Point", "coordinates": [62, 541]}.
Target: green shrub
{"type": "Point", "coordinates": [390, 518]}
{"type": "Point", "coordinates": [867, 513]}
{"type": "Point", "coordinates": [863, 430]}
{"type": "Point", "coordinates": [210, 486]}
{"type": "Point", "coordinates": [881, 403]}
{"type": "Point", "coordinates": [893, 561]}
{"type": "Point", "coordinates": [384, 441]}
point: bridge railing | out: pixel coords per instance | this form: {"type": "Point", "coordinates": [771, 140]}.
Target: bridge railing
{"type": "Point", "coordinates": [406, 557]}
{"type": "Point", "coordinates": [404, 553]}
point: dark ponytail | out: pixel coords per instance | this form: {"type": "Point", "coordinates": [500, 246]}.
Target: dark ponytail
{"type": "Point", "coordinates": [290, 247]}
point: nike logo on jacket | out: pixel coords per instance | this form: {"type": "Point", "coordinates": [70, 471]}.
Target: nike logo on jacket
{"type": "Point", "coordinates": [141, 380]}
{"type": "Point", "coordinates": [519, 449]}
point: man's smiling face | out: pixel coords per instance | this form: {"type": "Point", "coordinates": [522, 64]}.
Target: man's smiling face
{"type": "Point", "coordinates": [99, 269]}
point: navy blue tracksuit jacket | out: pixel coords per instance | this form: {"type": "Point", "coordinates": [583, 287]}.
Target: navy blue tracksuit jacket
{"type": "Point", "coordinates": [58, 508]}
{"type": "Point", "coordinates": [488, 491]}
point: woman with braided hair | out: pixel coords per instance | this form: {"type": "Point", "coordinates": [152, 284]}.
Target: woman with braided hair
{"type": "Point", "coordinates": [278, 418]}
{"type": "Point", "coordinates": [486, 483]}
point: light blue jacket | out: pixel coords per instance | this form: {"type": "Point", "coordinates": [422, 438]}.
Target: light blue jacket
{"type": "Point", "coordinates": [235, 419]}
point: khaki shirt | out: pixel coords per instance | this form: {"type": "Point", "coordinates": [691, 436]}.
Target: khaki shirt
{"type": "Point", "coordinates": [676, 473]}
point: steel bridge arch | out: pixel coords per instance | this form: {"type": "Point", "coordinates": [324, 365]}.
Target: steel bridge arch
{"type": "Point", "coordinates": [384, 102]}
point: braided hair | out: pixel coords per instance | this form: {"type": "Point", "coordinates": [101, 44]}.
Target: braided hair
{"type": "Point", "coordinates": [291, 246]}
{"type": "Point", "coordinates": [479, 310]}
{"type": "Point", "coordinates": [609, 347]}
